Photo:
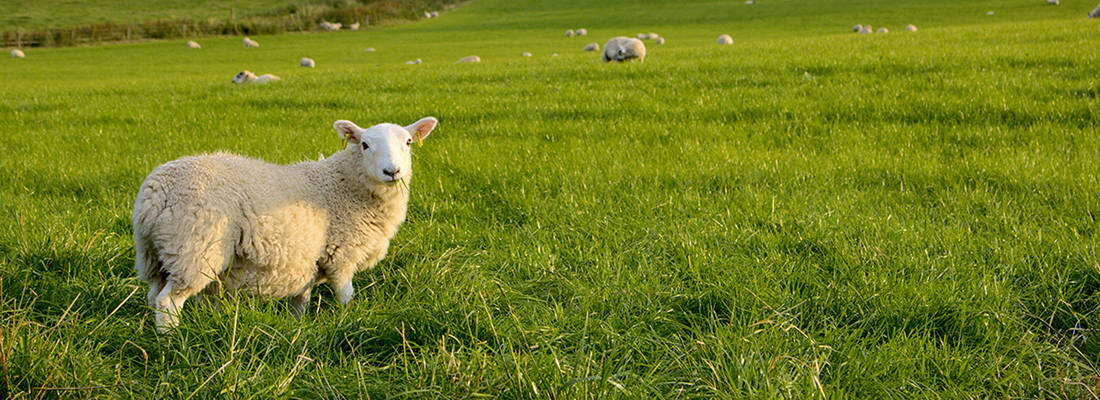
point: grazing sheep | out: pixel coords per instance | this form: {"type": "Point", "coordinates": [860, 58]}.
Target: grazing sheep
{"type": "Point", "coordinates": [306, 62]}
{"type": "Point", "coordinates": [354, 26]}
{"type": "Point", "coordinates": [857, 28]}
{"type": "Point", "coordinates": [471, 59]}
{"type": "Point", "coordinates": [582, 32]}
{"type": "Point", "coordinates": [250, 43]}
{"type": "Point", "coordinates": [725, 39]}
{"type": "Point", "coordinates": [1095, 13]}
{"type": "Point", "coordinates": [621, 48]}
{"type": "Point", "coordinates": [568, 33]}
{"type": "Point", "coordinates": [910, 28]}
{"type": "Point", "coordinates": [221, 221]}
{"type": "Point", "coordinates": [416, 61]}
{"type": "Point", "coordinates": [191, 44]}
{"type": "Point", "coordinates": [866, 29]}
{"type": "Point", "coordinates": [592, 47]}
{"type": "Point", "coordinates": [435, 14]}
{"type": "Point", "coordinates": [652, 36]}
{"type": "Point", "coordinates": [247, 76]}
{"type": "Point", "coordinates": [660, 40]}
{"type": "Point", "coordinates": [526, 54]}
{"type": "Point", "coordinates": [16, 53]}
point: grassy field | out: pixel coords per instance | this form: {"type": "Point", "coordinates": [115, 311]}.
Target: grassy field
{"type": "Point", "coordinates": [15, 14]}
{"type": "Point", "coordinates": [807, 213]}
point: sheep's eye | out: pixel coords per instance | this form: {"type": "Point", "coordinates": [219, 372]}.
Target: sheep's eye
{"type": "Point", "coordinates": [365, 146]}
{"type": "Point", "coordinates": [409, 142]}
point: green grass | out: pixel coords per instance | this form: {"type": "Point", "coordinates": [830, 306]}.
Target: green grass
{"type": "Point", "coordinates": [917, 219]}
{"type": "Point", "coordinates": [39, 14]}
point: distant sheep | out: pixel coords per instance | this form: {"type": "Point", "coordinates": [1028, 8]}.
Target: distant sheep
{"type": "Point", "coordinates": [247, 76]}
{"type": "Point", "coordinates": [568, 33]}
{"type": "Point", "coordinates": [866, 29]}
{"type": "Point", "coordinates": [526, 54]}
{"type": "Point", "coordinates": [306, 62]}
{"type": "Point", "coordinates": [250, 43]}
{"type": "Point", "coordinates": [330, 26]}
{"type": "Point", "coordinates": [883, 30]}
{"type": "Point", "coordinates": [622, 49]}
{"type": "Point", "coordinates": [16, 53]}
{"type": "Point", "coordinates": [857, 28]}
{"type": "Point", "coordinates": [416, 61]}
{"type": "Point", "coordinates": [750, 2]}
{"type": "Point", "coordinates": [660, 40]}
{"type": "Point", "coordinates": [652, 36]}
{"type": "Point", "coordinates": [191, 44]}
{"type": "Point", "coordinates": [641, 36]}
{"type": "Point", "coordinates": [354, 26]}
{"type": "Point", "coordinates": [214, 222]}
{"type": "Point", "coordinates": [725, 39]}
{"type": "Point", "coordinates": [470, 59]}
{"type": "Point", "coordinates": [592, 47]}
{"type": "Point", "coordinates": [369, 49]}
{"type": "Point", "coordinates": [427, 14]}
{"type": "Point", "coordinates": [1095, 13]}
{"type": "Point", "coordinates": [582, 32]}
{"type": "Point", "coordinates": [989, 13]}
{"type": "Point", "coordinates": [435, 14]}
{"type": "Point", "coordinates": [910, 28]}
{"type": "Point", "coordinates": [1052, 2]}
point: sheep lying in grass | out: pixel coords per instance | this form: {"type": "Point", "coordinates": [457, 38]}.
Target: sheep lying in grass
{"type": "Point", "coordinates": [250, 43]}
{"type": "Point", "coordinates": [725, 39]}
{"type": "Point", "coordinates": [569, 33]}
{"type": "Point", "coordinates": [306, 62]}
{"type": "Point", "coordinates": [16, 53]}
{"type": "Point", "coordinates": [470, 59]}
{"type": "Point", "coordinates": [582, 32]}
{"type": "Point", "coordinates": [592, 47]}
{"type": "Point", "coordinates": [247, 76]}
{"type": "Point", "coordinates": [221, 221]}
{"type": "Point", "coordinates": [191, 44]}
{"type": "Point", "coordinates": [621, 48]}
{"type": "Point", "coordinates": [910, 28]}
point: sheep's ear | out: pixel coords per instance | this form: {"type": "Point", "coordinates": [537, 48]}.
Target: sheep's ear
{"type": "Point", "coordinates": [420, 129]}
{"type": "Point", "coordinates": [347, 130]}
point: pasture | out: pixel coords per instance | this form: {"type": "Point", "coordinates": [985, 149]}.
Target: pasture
{"type": "Point", "coordinates": [807, 213]}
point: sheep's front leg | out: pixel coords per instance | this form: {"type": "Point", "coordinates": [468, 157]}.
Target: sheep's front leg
{"type": "Point", "coordinates": [300, 303]}
{"type": "Point", "coordinates": [344, 291]}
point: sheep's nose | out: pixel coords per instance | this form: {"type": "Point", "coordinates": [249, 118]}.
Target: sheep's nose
{"type": "Point", "coordinates": [391, 172]}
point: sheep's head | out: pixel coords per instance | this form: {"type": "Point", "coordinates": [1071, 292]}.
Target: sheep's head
{"type": "Point", "coordinates": [244, 77]}
{"type": "Point", "coordinates": [383, 149]}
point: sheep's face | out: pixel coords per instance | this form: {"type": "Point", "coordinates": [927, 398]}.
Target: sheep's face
{"type": "Point", "coordinates": [244, 76]}
{"type": "Point", "coordinates": [383, 149]}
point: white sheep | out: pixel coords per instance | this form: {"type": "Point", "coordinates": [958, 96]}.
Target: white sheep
{"type": "Point", "coordinates": [427, 14]}
{"type": "Point", "coordinates": [569, 33]}
{"type": "Point", "coordinates": [416, 61]}
{"type": "Point", "coordinates": [660, 40]}
{"type": "Point", "coordinates": [191, 44]}
{"type": "Point", "coordinates": [592, 47]}
{"type": "Point", "coordinates": [883, 30]}
{"type": "Point", "coordinates": [1095, 13]}
{"type": "Point", "coordinates": [247, 76]}
{"type": "Point", "coordinates": [725, 39]}
{"type": "Point", "coordinates": [857, 28]}
{"type": "Point", "coordinates": [250, 43]}
{"type": "Point", "coordinates": [306, 62]}
{"type": "Point", "coordinates": [526, 54]}
{"type": "Point", "coordinates": [331, 26]}
{"type": "Point", "coordinates": [582, 32]}
{"type": "Point", "coordinates": [652, 36]}
{"type": "Point", "coordinates": [470, 59]}
{"type": "Point", "coordinates": [641, 36]}
{"type": "Point", "coordinates": [435, 14]}
{"type": "Point", "coordinates": [621, 48]}
{"type": "Point", "coordinates": [219, 221]}
{"type": "Point", "coordinates": [16, 53]}
{"type": "Point", "coordinates": [1052, 2]}
{"type": "Point", "coordinates": [866, 29]}
{"type": "Point", "coordinates": [750, 2]}
{"type": "Point", "coordinates": [368, 49]}
{"type": "Point", "coordinates": [354, 26]}
{"type": "Point", "coordinates": [989, 13]}
{"type": "Point", "coordinates": [910, 28]}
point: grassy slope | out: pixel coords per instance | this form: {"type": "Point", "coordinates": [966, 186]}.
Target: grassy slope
{"type": "Point", "coordinates": [917, 219]}
{"type": "Point", "coordinates": [41, 14]}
